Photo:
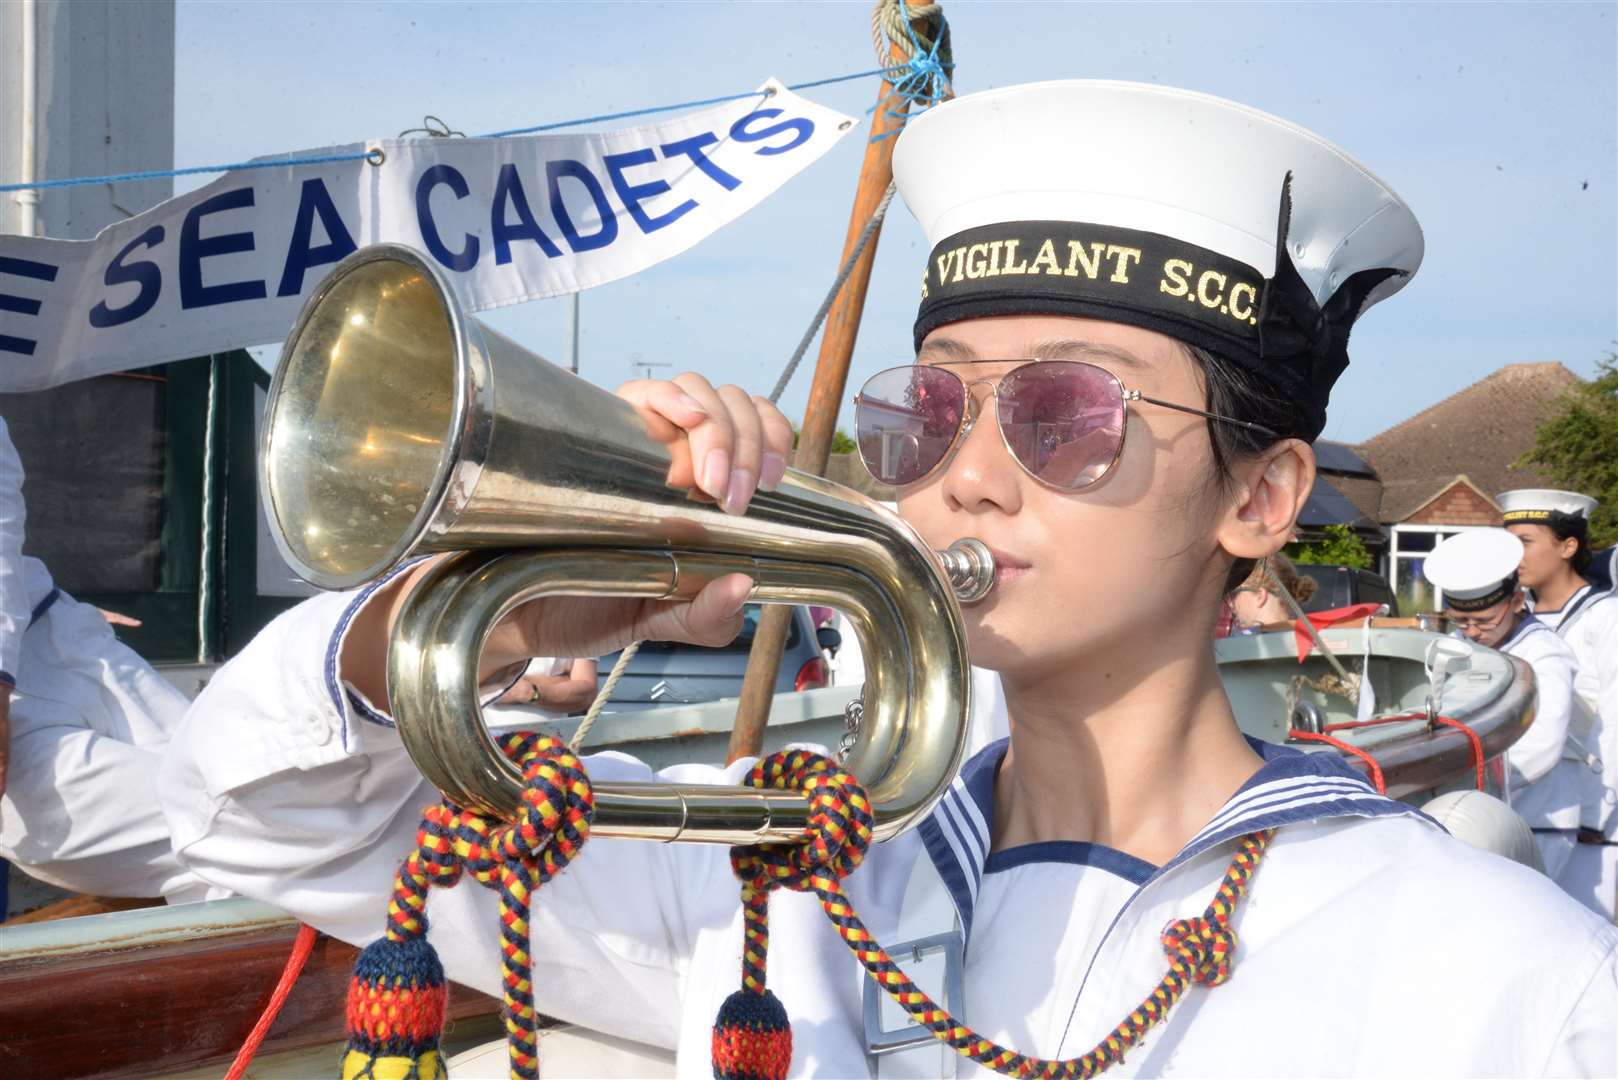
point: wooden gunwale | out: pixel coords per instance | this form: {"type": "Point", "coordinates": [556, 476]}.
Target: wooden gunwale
{"type": "Point", "coordinates": [138, 1008]}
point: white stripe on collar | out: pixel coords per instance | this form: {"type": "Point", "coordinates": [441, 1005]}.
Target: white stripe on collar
{"type": "Point", "coordinates": [1292, 786]}
{"type": "Point", "coordinates": [1256, 798]}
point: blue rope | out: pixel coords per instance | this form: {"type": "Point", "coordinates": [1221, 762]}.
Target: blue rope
{"type": "Point", "coordinates": [685, 104]}
{"type": "Point", "coordinates": [926, 80]}
{"type": "Point", "coordinates": [158, 174]}
{"type": "Point", "coordinates": [375, 158]}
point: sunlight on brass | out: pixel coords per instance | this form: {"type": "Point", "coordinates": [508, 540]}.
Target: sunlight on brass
{"type": "Point", "coordinates": [397, 425]}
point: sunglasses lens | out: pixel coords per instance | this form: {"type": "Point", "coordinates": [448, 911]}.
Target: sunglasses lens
{"type": "Point", "coordinates": [906, 418]}
{"type": "Point", "coordinates": [1064, 421]}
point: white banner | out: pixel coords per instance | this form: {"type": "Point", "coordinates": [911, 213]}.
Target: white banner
{"type": "Point", "coordinates": [509, 220]}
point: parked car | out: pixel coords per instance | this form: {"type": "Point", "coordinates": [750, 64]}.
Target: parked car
{"type": "Point", "coordinates": [672, 673]}
{"type": "Point", "coordinates": [1342, 586]}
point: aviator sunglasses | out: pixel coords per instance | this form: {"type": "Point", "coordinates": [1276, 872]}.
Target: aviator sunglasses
{"type": "Point", "coordinates": [1062, 420]}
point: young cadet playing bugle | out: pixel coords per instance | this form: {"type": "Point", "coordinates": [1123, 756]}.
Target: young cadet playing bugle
{"type": "Point", "coordinates": [1136, 304]}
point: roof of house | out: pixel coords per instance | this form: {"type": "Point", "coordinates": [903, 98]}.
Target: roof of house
{"type": "Point", "coordinates": [1327, 505]}
{"type": "Point", "coordinates": [1479, 432]}
{"type": "Point", "coordinates": [1340, 458]}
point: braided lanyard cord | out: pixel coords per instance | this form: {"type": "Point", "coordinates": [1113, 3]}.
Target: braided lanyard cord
{"type": "Point", "coordinates": [397, 996]}
{"type": "Point", "coordinates": [752, 1040]}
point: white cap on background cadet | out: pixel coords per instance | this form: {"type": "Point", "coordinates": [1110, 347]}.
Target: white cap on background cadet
{"type": "Point", "coordinates": [1545, 506]}
{"type": "Point", "coordinates": [1475, 569]}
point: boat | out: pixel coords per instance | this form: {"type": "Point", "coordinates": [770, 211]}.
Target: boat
{"type": "Point", "coordinates": [1446, 710]}
{"type": "Point", "coordinates": [173, 991]}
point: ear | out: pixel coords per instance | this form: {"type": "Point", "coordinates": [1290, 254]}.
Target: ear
{"type": "Point", "coordinates": [1271, 489]}
{"type": "Point", "coordinates": [1567, 548]}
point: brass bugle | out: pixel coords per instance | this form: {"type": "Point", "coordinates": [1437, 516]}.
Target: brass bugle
{"type": "Point", "coordinates": [397, 426]}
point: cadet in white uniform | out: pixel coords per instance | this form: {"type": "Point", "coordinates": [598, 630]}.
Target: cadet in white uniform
{"type": "Point", "coordinates": [89, 721]}
{"type": "Point", "coordinates": [1136, 303]}
{"type": "Point", "coordinates": [1549, 767]}
{"type": "Point", "coordinates": [1554, 528]}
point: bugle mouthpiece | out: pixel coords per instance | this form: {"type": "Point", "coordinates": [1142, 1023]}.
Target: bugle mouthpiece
{"type": "Point", "coordinates": [969, 565]}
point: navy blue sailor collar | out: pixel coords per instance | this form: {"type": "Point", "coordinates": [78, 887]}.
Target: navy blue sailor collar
{"type": "Point", "coordinates": [1528, 624]}
{"type": "Point", "coordinates": [1291, 786]}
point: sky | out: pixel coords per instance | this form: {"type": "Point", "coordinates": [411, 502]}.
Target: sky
{"type": "Point", "coordinates": [1497, 123]}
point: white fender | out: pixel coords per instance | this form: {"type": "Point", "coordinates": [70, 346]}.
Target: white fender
{"type": "Point", "coordinates": [1485, 822]}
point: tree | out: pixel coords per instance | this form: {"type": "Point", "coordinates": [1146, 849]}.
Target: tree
{"type": "Point", "coordinates": [841, 443]}
{"type": "Point", "coordinates": [1577, 447]}
{"type": "Point", "coordinates": [1339, 547]}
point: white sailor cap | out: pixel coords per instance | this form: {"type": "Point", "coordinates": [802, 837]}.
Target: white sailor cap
{"type": "Point", "coordinates": [1546, 506]}
{"type": "Point", "coordinates": [1200, 218]}
{"type": "Point", "coordinates": [1476, 569]}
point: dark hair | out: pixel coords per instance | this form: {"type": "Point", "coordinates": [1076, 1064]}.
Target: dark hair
{"type": "Point", "coordinates": [1238, 393]}
{"type": "Point", "coordinates": [1569, 527]}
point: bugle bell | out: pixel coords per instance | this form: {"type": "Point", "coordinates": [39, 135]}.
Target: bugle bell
{"type": "Point", "coordinates": [397, 425]}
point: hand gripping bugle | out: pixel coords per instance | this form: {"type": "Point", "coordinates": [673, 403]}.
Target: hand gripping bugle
{"type": "Point", "coordinates": [397, 425]}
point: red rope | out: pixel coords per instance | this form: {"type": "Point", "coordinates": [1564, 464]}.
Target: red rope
{"type": "Point", "coordinates": [1478, 760]}
{"type": "Point", "coordinates": [1351, 725]}
{"type": "Point", "coordinates": [1472, 737]}
{"type": "Point", "coordinates": [1347, 748]}
{"type": "Point", "coordinates": [301, 948]}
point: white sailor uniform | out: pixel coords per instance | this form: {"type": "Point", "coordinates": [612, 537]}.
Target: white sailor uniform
{"type": "Point", "coordinates": [1371, 942]}
{"type": "Point", "coordinates": [1591, 630]}
{"type": "Point", "coordinates": [89, 720]}
{"type": "Point", "coordinates": [25, 584]}
{"type": "Point", "coordinates": [1550, 765]}
{"type": "Point", "coordinates": [1548, 775]}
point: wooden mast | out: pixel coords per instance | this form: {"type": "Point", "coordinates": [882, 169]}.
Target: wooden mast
{"type": "Point", "coordinates": [831, 374]}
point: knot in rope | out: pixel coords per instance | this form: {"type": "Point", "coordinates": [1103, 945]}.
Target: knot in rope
{"type": "Point", "coordinates": [441, 863]}
{"type": "Point", "coordinates": [921, 33]}
{"type": "Point", "coordinates": [558, 805]}
{"type": "Point", "coordinates": [752, 1038]}
{"type": "Point", "coordinates": [1200, 948]}
{"type": "Point", "coordinates": [838, 832]}
{"type": "Point", "coordinates": [396, 1000]}
{"type": "Point", "coordinates": [557, 808]}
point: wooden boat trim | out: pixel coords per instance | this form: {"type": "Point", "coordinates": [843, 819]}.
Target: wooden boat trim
{"type": "Point", "coordinates": [1415, 757]}
{"type": "Point", "coordinates": [158, 990]}
{"type": "Point", "coordinates": [1441, 755]}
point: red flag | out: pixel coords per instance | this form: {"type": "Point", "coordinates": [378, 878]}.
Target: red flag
{"type": "Point", "coordinates": [1323, 619]}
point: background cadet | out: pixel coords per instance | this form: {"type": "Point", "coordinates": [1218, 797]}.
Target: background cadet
{"type": "Point", "coordinates": [1477, 571]}
{"type": "Point", "coordinates": [88, 723]}
{"type": "Point", "coordinates": [1554, 528]}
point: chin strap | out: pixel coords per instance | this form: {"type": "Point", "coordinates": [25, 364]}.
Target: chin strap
{"type": "Point", "coordinates": [752, 1038]}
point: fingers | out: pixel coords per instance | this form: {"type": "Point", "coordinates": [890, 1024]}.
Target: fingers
{"type": "Point", "coordinates": [669, 412]}
{"type": "Point", "coordinates": [712, 440]}
{"type": "Point", "coordinates": [747, 448]}
{"type": "Point", "coordinates": [723, 442]}
{"type": "Point", "coordinates": [712, 618]}
{"type": "Point", "coordinates": [715, 617]}
{"type": "Point", "coordinates": [777, 443]}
